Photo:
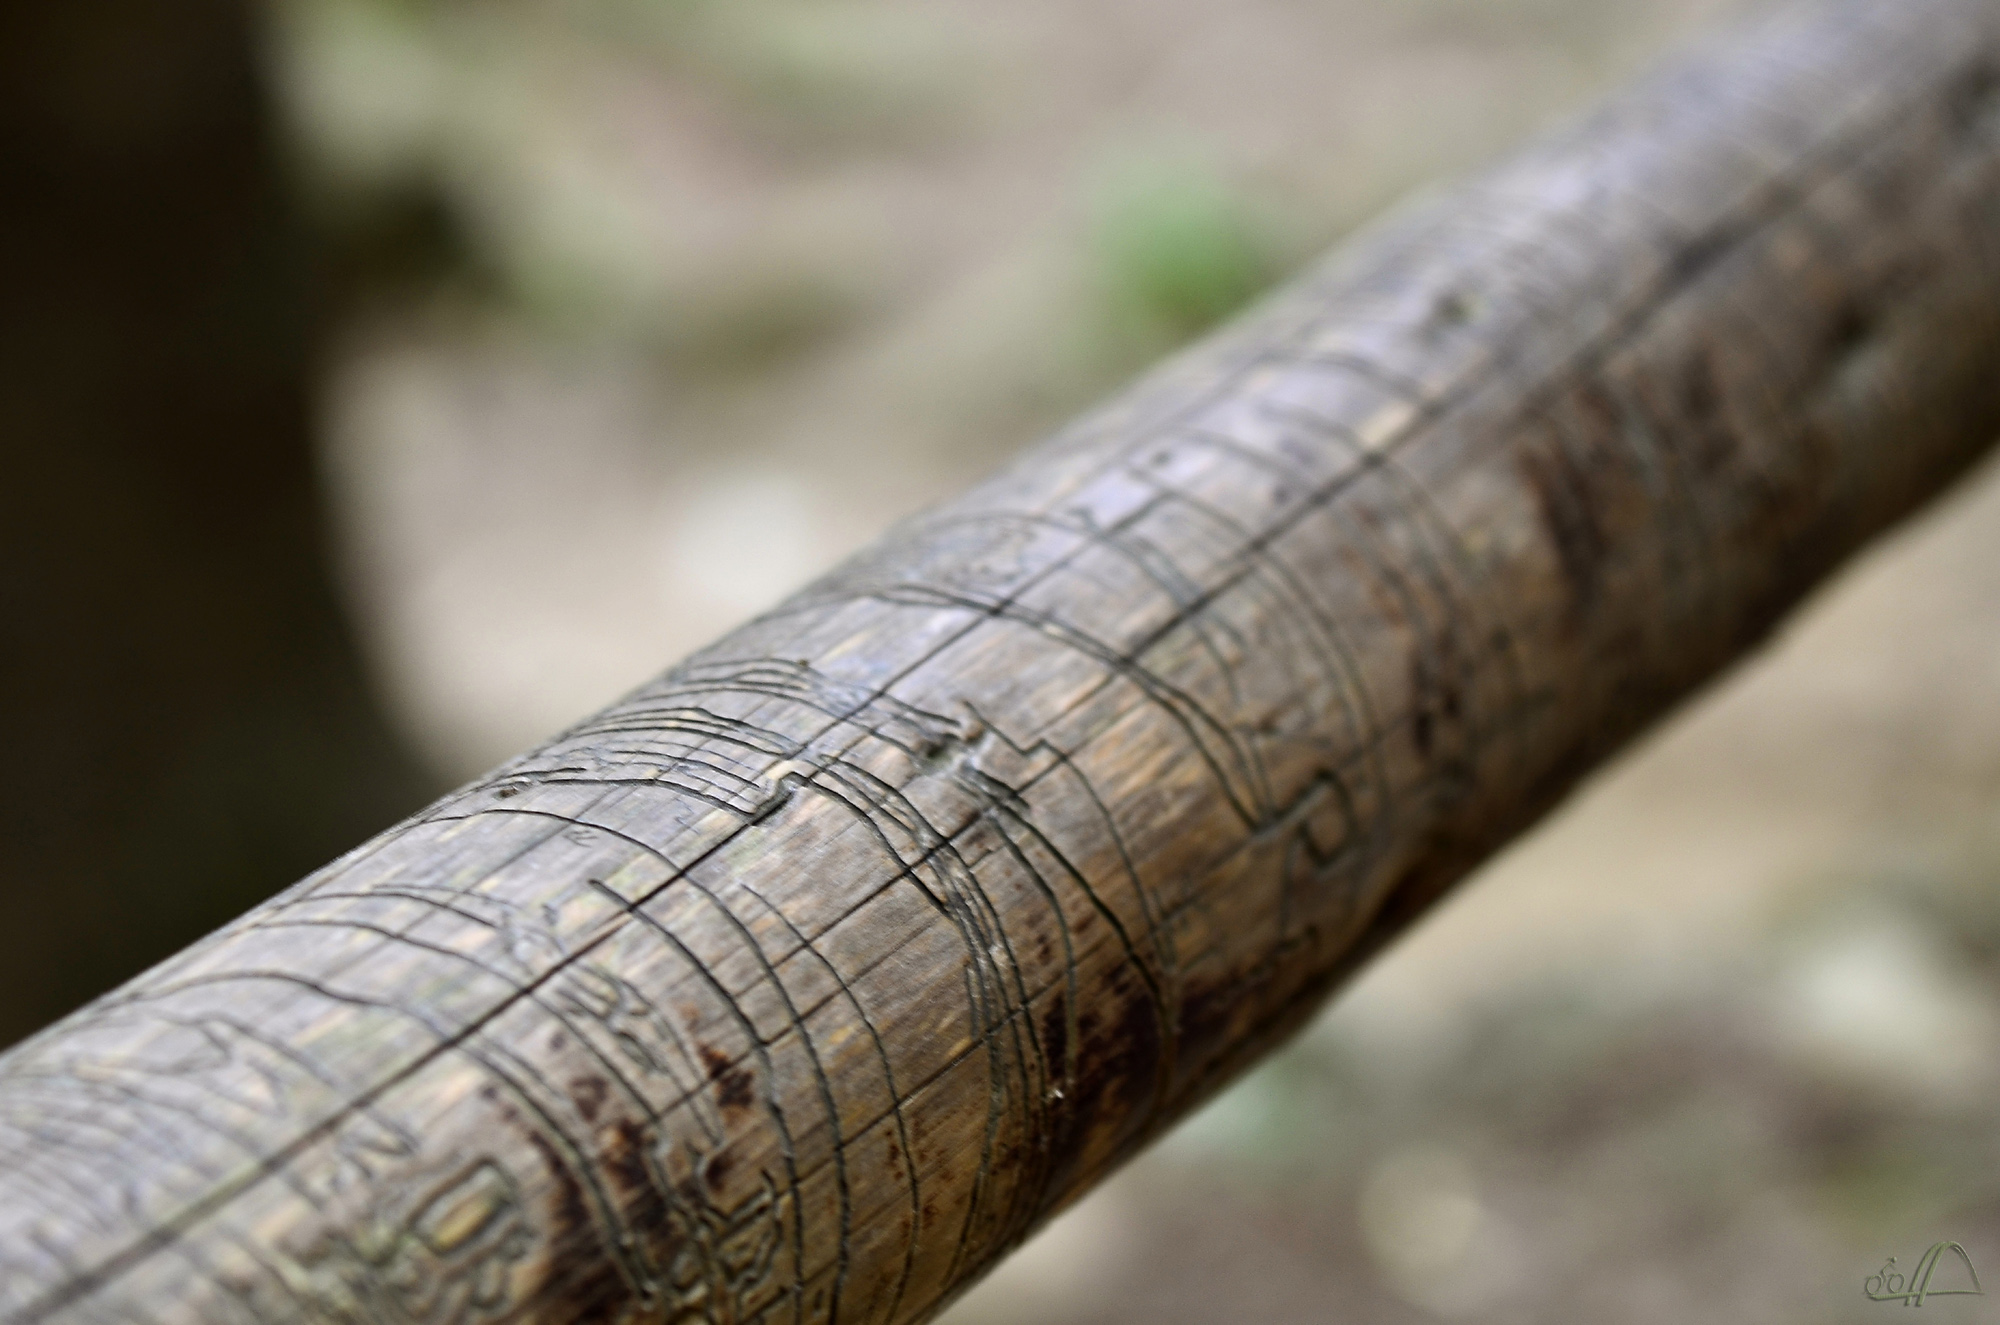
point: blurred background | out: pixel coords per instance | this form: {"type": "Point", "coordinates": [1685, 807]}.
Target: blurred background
{"type": "Point", "coordinates": [386, 384]}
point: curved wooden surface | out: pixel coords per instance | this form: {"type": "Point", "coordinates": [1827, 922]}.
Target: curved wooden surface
{"type": "Point", "coordinates": [801, 983]}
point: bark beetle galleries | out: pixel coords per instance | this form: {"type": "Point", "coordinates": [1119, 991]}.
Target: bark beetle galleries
{"type": "Point", "coordinates": [805, 980]}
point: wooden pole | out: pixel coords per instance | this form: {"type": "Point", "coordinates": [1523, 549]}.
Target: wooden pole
{"type": "Point", "coordinates": [803, 982]}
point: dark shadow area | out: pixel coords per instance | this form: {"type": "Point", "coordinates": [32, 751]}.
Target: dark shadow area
{"type": "Point", "coordinates": [187, 723]}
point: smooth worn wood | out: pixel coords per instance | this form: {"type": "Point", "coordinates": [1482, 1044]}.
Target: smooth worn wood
{"type": "Point", "coordinates": [803, 982]}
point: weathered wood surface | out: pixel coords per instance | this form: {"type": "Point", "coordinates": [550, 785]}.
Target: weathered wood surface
{"type": "Point", "coordinates": [801, 983]}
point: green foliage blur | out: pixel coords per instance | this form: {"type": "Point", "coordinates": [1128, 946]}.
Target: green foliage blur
{"type": "Point", "coordinates": [1179, 250]}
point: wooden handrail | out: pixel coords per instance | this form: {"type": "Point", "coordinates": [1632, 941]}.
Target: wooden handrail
{"type": "Point", "coordinates": [806, 980]}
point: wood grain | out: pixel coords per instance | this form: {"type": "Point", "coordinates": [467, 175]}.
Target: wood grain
{"type": "Point", "coordinates": [804, 981]}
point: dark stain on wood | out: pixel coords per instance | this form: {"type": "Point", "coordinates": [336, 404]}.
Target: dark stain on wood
{"type": "Point", "coordinates": [589, 1093]}
{"type": "Point", "coordinates": [734, 1086]}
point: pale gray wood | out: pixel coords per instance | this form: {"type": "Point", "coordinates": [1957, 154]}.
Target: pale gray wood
{"type": "Point", "coordinates": [804, 981]}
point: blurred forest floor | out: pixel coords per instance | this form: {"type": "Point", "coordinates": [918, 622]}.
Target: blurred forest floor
{"type": "Point", "coordinates": [674, 303]}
